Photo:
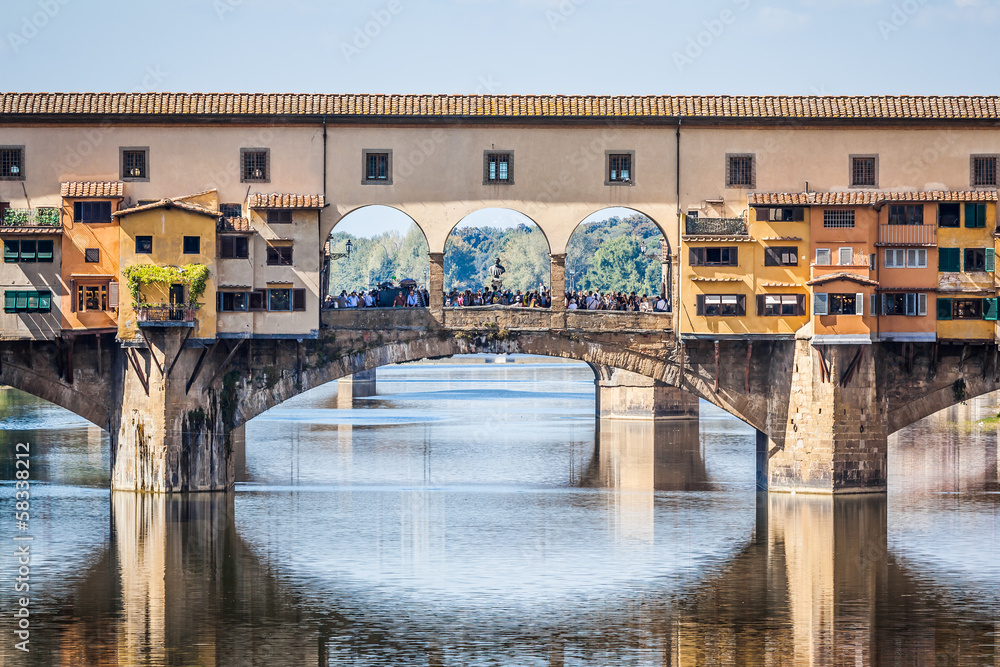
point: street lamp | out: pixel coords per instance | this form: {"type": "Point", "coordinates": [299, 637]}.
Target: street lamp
{"type": "Point", "coordinates": [342, 255]}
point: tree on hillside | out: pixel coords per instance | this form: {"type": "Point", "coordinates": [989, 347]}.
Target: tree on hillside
{"type": "Point", "coordinates": [619, 266]}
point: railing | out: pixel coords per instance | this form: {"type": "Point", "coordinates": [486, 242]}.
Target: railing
{"type": "Point", "coordinates": [30, 217]}
{"type": "Point", "coordinates": [716, 226]}
{"type": "Point", "coordinates": [165, 314]}
{"type": "Point", "coordinates": [904, 235]}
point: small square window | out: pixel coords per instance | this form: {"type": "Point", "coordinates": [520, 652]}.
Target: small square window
{"type": "Point", "coordinates": [279, 299]}
{"type": "Point", "coordinates": [279, 216]}
{"type": "Point", "coordinates": [822, 256]}
{"type": "Point", "coordinates": [144, 245]}
{"type": "Point", "coordinates": [498, 168]}
{"type": "Point", "coordinates": [134, 163]}
{"type": "Point", "coordinates": [192, 245]}
{"type": "Point", "coordinates": [234, 247]}
{"type": "Point", "coordinates": [949, 215]}
{"type": "Point", "coordinates": [741, 171]}
{"type": "Point", "coordinates": [231, 210]}
{"type": "Point", "coordinates": [255, 165]}
{"type": "Point", "coordinates": [11, 163]}
{"type": "Point", "coordinates": [92, 255]}
{"type": "Point", "coordinates": [984, 171]}
{"type": "Point", "coordinates": [621, 168]}
{"type": "Point", "coordinates": [377, 166]}
{"type": "Point", "coordinates": [864, 171]}
{"type": "Point", "coordinates": [257, 299]}
{"type": "Point", "coordinates": [279, 255]}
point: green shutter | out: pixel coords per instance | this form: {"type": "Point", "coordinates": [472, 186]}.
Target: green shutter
{"type": "Point", "coordinates": [45, 251]}
{"type": "Point", "coordinates": [990, 309]}
{"type": "Point", "coordinates": [10, 301]}
{"type": "Point", "coordinates": [21, 303]}
{"type": "Point", "coordinates": [949, 260]}
{"type": "Point", "coordinates": [975, 215]}
{"type": "Point", "coordinates": [45, 302]}
{"type": "Point", "coordinates": [11, 250]}
{"type": "Point", "coordinates": [991, 259]}
{"type": "Point", "coordinates": [944, 309]}
{"type": "Point", "coordinates": [28, 251]}
{"type": "Point", "coordinates": [32, 301]}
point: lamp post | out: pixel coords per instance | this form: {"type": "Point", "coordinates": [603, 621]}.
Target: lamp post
{"type": "Point", "coordinates": [342, 255]}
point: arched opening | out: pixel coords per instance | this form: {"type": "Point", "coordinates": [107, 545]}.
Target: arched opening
{"type": "Point", "coordinates": [497, 257]}
{"type": "Point", "coordinates": [376, 257]}
{"type": "Point", "coordinates": [619, 259]}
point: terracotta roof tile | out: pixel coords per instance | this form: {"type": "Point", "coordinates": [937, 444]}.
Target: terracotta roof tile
{"type": "Point", "coordinates": [233, 225]}
{"type": "Point", "coordinates": [510, 106]}
{"type": "Point", "coordinates": [96, 189]}
{"type": "Point", "coordinates": [286, 201]}
{"type": "Point", "coordinates": [29, 229]}
{"type": "Point", "coordinates": [866, 197]}
{"type": "Point", "coordinates": [168, 203]}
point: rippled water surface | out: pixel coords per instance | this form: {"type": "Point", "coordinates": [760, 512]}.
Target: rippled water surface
{"type": "Point", "coordinates": [474, 514]}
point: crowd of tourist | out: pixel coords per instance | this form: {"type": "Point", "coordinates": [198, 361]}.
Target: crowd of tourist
{"type": "Point", "coordinates": [488, 297]}
{"type": "Point", "coordinates": [594, 300]}
{"type": "Point", "coordinates": [385, 297]}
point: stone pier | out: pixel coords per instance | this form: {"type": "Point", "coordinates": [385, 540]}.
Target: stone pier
{"type": "Point", "coordinates": [625, 395]}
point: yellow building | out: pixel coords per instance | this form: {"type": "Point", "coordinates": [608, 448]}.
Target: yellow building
{"type": "Point", "coordinates": [966, 296]}
{"type": "Point", "coordinates": [179, 237]}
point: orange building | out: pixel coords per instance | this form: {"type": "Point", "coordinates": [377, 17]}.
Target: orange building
{"type": "Point", "coordinates": [90, 256]}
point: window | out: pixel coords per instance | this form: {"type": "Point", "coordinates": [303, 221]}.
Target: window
{"type": "Point", "coordinates": [279, 255]}
{"type": "Point", "coordinates": [845, 256]}
{"type": "Point", "coordinates": [144, 245]}
{"type": "Point", "coordinates": [909, 305]}
{"type": "Point", "coordinates": [92, 255]}
{"type": "Point", "coordinates": [966, 309]}
{"type": "Point", "coordinates": [27, 251]}
{"type": "Point", "coordinates": [838, 219]}
{"type": "Point", "coordinates": [620, 168]}
{"type": "Point", "coordinates": [839, 304]}
{"type": "Point", "coordinates": [257, 300]}
{"type": "Point", "coordinates": [279, 216]}
{"type": "Point", "coordinates": [949, 215]}
{"type": "Point", "coordinates": [234, 247]}
{"type": "Point", "coordinates": [233, 302]}
{"type": "Point", "coordinates": [92, 211]}
{"type": "Point", "coordinates": [741, 171]}
{"type": "Point", "coordinates": [91, 297]}
{"type": "Point", "coordinates": [11, 163]}
{"type": "Point", "coordinates": [864, 171]}
{"type": "Point", "coordinates": [906, 214]}
{"type": "Point", "coordinates": [377, 167]}
{"type": "Point", "coordinates": [899, 258]}
{"type": "Point", "coordinates": [781, 305]}
{"type": "Point", "coordinates": [984, 171]}
{"type": "Point", "coordinates": [298, 299]}
{"type": "Point", "coordinates": [231, 210]}
{"type": "Point", "coordinates": [714, 256]}
{"type": "Point", "coordinates": [498, 168]}
{"type": "Point", "coordinates": [721, 305]}
{"type": "Point", "coordinates": [27, 301]}
{"type": "Point", "coordinates": [279, 299]}
{"type": "Point", "coordinates": [980, 259]}
{"type": "Point", "coordinates": [255, 165]}
{"type": "Point", "coordinates": [949, 260]}
{"type": "Point", "coordinates": [781, 256]}
{"type": "Point", "coordinates": [192, 245]}
{"type": "Point", "coordinates": [787, 214]}
{"type": "Point", "coordinates": [916, 258]}
{"type": "Point", "coordinates": [134, 162]}
{"type": "Point", "coordinates": [822, 257]}
{"type": "Point", "coordinates": [975, 215]}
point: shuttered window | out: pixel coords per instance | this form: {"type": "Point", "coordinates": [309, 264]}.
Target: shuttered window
{"type": "Point", "coordinates": [27, 301]}
{"type": "Point", "coordinates": [975, 215]}
{"type": "Point", "coordinates": [949, 260]}
{"type": "Point", "coordinates": [721, 305]}
{"type": "Point", "coordinates": [944, 309]}
{"type": "Point", "coordinates": [298, 299]}
{"type": "Point", "coordinates": [28, 250]}
{"type": "Point", "coordinates": [990, 309]}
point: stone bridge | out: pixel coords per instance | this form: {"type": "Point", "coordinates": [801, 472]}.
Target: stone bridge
{"type": "Point", "coordinates": [823, 413]}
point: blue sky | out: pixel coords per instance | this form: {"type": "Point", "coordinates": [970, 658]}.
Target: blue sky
{"type": "Point", "coordinates": [502, 46]}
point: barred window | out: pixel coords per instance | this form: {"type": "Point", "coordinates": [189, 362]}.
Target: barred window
{"type": "Point", "coordinates": [11, 163]}
{"type": "Point", "coordinates": [838, 219]}
{"type": "Point", "coordinates": [255, 165]}
{"type": "Point", "coordinates": [984, 171]}
{"type": "Point", "coordinates": [740, 172]}
{"type": "Point", "coordinates": [864, 171]}
{"type": "Point", "coordinates": [134, 164]}
{"type": "Point", "coordinates": [377, 167]}
{"type": "Point", "coordinates": [231, 210]}
{"type": "Point", "coordinates": [499, 168]}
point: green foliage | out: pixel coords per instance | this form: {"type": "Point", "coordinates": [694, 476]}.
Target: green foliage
{"type": "Point", "coordinates": [19, 217]}
{"type": "Point", "coordinates": [388, 256]}
{"type": "Point", "coordinates": [620, 267]}
{"type": "Point", "coordinates": [195, 276]}
{"type": "Point", "coordinates": [470, 252]}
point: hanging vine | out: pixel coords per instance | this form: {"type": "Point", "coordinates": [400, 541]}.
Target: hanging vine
{"type": "Point", "coordinates": [195, 276]}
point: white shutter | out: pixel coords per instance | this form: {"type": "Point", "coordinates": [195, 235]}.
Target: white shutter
{"type": "Point", "coordinates": [846, 256]}
{"type": "Point", "coordinates": [820, 304]}
{"type": "Point", "coordinates": [859, 303]}
{"type": "Point", "coordinates": [911, 304]}
{"type": "Point", "coordinates": [113, 295]}
{"type": "Point", "coordinates": [921, 304]}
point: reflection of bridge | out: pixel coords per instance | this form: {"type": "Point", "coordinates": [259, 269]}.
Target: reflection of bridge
{"type": "Point", "coordinates": [823, 413]}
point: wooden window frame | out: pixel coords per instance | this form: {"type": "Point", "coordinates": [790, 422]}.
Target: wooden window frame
{"type": "Point", "coordinates": [491, 156]}
{"type": "Point", "coordinates": [233, 243]}
{"type": "Point", "coordinates": [184, 245]}
{"type": "Point", "coordinates": [124, 168]}
{"type": "Point", "coordinates": [855, 160]}
{"type": "Point", "coordinates": [275, 255]}
{"type": "Point", "coordinates": [610, 157]}
{"type": "Point", "coordinates": [387, 152]}
{"type": "Point", "coordinates": [245, 168]}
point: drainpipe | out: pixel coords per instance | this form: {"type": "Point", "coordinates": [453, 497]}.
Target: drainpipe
{"type": "Point", "coordinates": [677, 264]}
{"type": "Point", "coordinates": [325, 277]}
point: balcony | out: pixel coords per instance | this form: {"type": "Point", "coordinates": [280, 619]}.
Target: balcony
{"type": "Point", "coordinates": [907, 235]}
{"type": "Point", "coordinates": [166, 316]}
{"type": "Point", "coordinates": [30, 217]}
{"type": "Point", "coordinates": [716, 226]}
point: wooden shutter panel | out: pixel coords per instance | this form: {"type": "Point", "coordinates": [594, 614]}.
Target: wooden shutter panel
{"type": "Point", "coordinates": [921, 304]}
{"type": "Point", "coordinates": [991, 259]}
{"type": "Point", "coordinates": [734, 257]}
{"type": "Point", "coordinates": [990, 309]}
{"type": "Point", "coordinates": [45, 301]}
{"type": "Point", "coordinates": [821, 304]}
{"type": "Point", "coordinates": [11, 250]}
{"type": "Point", "coordinates": [944, 309]}
{"type": "Point", "coordinates": [696, 257]}
{"type": "Point", "coordinates": [700, 307]}
{"type": "Point", "coordinates": [72, 296]}
{"type": "Point", "coordinates": [741, 305]}
{"type": "Point", "coordinates": [113, 295]}
{"type": "Point", "coordinates": [298, 299]}
{"type": "Point", "coordinates": [800, 304]}
{"type": "Point", "coordinates": [911, 304]}
{"type": "Point", "coordinates": [9, 301]}
{"type": "Point", "coordinates": [761, 305]}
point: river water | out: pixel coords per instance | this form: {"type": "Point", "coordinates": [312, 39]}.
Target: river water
{"type": "Point", "coordinates": [474, 514]}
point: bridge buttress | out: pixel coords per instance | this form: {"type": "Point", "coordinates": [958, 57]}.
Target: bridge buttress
{"type": "Point", "coordinates": [624, 395]}
{"type": "Point", "coordinates": [435, 286]}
